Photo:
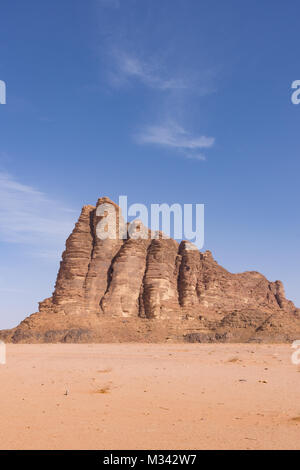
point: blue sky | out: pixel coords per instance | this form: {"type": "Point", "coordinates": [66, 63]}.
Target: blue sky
{"type": "Point", "coordinates": [183, 101]}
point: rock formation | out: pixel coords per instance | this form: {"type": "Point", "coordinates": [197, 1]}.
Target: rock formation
{"type": "Point", "coordinates": [124, 288]}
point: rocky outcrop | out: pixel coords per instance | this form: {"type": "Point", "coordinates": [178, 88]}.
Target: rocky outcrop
{"type": "Point", "coordinates": [112, 287]}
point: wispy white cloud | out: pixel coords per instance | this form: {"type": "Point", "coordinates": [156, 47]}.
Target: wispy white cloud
{"type": "Point", "coordinates": [127, 66]}
{"type": "Point", "coordinates": [28, 216]}
{"type": "Point", "coordinates": [173, 135]}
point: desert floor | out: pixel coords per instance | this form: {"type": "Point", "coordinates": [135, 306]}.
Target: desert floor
{"type": "Point", "coordinates": [149, 396]}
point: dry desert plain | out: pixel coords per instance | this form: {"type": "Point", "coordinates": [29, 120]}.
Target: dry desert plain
{"type": "Point", "coordinates": [149, 396]}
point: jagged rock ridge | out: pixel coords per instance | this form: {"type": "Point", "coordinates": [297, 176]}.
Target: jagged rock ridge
{"type": "Point", "coordinates": [153, 290]}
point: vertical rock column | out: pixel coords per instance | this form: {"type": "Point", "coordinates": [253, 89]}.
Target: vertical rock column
{"type": "Point", "coordinates": [159, 297]}
{"type": "Point", "coordinates": [188, 275]}
{"type": "Point", "coordinates": [104, 251]}
{"type": "Point", "coordinates": [126, 276]}
{"type": "Point", "coordinates": [69, 289]}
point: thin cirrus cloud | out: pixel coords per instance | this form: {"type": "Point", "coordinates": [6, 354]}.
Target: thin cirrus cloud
{"type": "Point", "coordinates": [173, 136]}
{"type": "Point", "coordinates": [29, 217]}
{"type": "Point", "coordinates": [127, 67]}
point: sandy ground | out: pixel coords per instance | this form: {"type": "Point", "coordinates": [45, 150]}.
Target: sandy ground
{"type": "Point", "coordinates": [149, 396]}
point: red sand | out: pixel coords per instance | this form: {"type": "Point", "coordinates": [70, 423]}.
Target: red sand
{"type": "Point", "coordinates": [149, 396]}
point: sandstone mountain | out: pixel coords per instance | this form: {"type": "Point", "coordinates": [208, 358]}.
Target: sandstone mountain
{"type": "Point", "coordinates": [145, 290]}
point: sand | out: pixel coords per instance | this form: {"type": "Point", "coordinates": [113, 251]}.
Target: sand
{"type": "Point", "coordinates": [149, 396]}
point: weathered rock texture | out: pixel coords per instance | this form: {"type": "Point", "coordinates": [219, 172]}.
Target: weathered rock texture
{"type": "Point", "coordinates": [134, 289]}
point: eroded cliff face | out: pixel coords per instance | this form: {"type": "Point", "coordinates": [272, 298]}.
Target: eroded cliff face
{"type": "Point", "coordinates": [134, 289]}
